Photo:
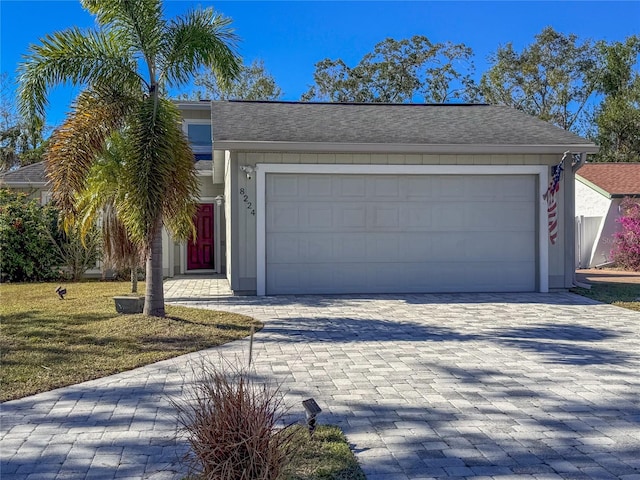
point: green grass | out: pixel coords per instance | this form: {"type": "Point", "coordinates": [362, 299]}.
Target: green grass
{"type": "Point", "coordinates": [625, 295]}
{"type": "Point", "coordinates": [47, 343]}
{"type": "Point", "coordinates": [325, 456]}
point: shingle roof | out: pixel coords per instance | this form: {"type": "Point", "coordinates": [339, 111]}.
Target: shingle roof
{"type": "Point", "coordinates": [203, 165]}
{"type": "Point", "coordinates": [617, 179]}
{"type": "Point", "coordinates": [34, 174]}
{"type": "Point", "coordinates": [29, 175]}
{"type": "Point", "coordinates": [384, 124]}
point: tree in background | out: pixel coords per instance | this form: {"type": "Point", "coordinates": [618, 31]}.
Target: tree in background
{"type": "Point", "coordinates": [253, 82]}
{"type": "Point", "coordinates": [553, 79]}
{"type": "Point", "coordinates": [21, 143]}
{"type": "Point", "coordinates": [617, 119]}
{"type": "Point", "coordinates": [125, 66]}
{"type": "Point", "coordinates": [398, 71]}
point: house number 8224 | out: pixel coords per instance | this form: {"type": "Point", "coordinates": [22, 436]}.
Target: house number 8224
{"type": "Point", "coordinates": [245, 199]}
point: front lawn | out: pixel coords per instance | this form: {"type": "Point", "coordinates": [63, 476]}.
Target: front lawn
{"type": "Point", "coordinates": [47, 343]}
{"type": "Point", "coordinates": [625, 295]}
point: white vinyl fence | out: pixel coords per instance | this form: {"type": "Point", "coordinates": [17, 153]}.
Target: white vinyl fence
{"type": "Point", "coordinates": [587, 230]}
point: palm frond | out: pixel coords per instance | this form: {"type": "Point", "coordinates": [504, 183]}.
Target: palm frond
{"type": "Point", "coordinates": [160, 175]}
{"type": "Point", "coordinates": [179, 205]}
{"type": "Point", "coordinates": [120, 252]}
{"type": "Point", "coordinates": [73, 56]}
{"type": "Point", "coordinates": [74, 146]}
{"type": "Point", "coordinates": [201, 37]}
{"type": "Point", "coordinates": [101, 201]}
{"type": "Point", "coordinates": [139, 20]}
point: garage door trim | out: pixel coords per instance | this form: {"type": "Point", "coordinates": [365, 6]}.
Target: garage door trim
{"type": "Point", "coordinates": [262, 170]}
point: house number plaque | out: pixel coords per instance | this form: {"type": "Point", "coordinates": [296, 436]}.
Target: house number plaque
{"type": "Point", "coordinates": [245, 198]}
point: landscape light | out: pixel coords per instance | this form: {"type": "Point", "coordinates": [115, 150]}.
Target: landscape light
{"type": "Point", "coordinates": [312, 409]}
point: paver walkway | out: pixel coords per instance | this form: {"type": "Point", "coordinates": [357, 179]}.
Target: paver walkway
{"type": "Point", "coordinates": [425, 386]}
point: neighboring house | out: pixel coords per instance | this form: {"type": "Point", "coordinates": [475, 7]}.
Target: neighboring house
{"type": "Point", "coordinates": [30, 179]}
{"type": "Point", "coordinates": [600, 187]}
{"type": "Point", "coordinates": [303, 198]}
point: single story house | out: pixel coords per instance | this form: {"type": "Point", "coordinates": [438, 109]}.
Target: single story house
{"type": "Point", "coordinates": [328, 198]}
{"type": "Point", "coordinates": [30, 179]}
{"type": "Point", "coordinates": [600, 187]}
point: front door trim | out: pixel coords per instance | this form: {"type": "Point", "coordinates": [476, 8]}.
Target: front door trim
{"type": "Point", "coordinates": [216, 239]}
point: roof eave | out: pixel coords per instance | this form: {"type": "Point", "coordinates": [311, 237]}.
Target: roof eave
{"type": "Point", "coordinates": [335, 147]}
{"type": "Point", "coordinates": [593, 186]}
{"type": "Point", "coordinates": [22, 184]}
{"type": "Point", "coordinates": [623, 195]}
{"type": "Point", "coordinates": [193, 104]}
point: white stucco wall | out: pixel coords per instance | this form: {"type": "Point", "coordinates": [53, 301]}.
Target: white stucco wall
{"type": "Point", "coordinates": [592, 203]}
{"type": "Point", "coordinates": [589, 202]}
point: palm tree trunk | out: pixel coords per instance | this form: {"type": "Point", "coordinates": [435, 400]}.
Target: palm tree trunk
{"type": "Point", "coordinates": [154, 295]}
{"type": "Point", "coordinates": [134, 275]}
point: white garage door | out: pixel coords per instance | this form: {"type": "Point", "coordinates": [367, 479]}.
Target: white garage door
{"type": "Point", "coordinates": [400, 233]}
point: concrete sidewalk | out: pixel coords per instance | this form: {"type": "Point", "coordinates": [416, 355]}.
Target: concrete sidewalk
{"type": "Point", "coordinates": [520, 386]}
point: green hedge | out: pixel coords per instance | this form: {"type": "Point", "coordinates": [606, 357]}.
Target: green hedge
{"type": "Point", "coordinates": [26, 232]}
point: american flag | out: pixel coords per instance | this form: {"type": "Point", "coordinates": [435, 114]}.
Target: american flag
{"type": "Point", "coordinates": [550, 197]}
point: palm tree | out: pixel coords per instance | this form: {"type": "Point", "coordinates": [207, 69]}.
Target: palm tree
{"type": "Point", "coordinates": [125, 65]}
{"type": "Point", "coordinates": [101, 201]}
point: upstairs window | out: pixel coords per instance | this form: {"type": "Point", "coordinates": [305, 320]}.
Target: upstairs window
{"type": "Point", "coordinates": [199, 135]}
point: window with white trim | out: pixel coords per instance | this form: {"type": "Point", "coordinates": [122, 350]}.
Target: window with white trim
{"type": "Point", "coordinates": [198, 133]}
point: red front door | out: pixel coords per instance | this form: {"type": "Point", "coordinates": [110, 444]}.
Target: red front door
{"type": "Point", "coordinates": [200, 252]}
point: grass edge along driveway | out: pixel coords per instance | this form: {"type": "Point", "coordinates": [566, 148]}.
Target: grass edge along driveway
{"type": "Point", "coordinates": [46, 343]}
{"type": "Point", "coordinates": [625, 295]}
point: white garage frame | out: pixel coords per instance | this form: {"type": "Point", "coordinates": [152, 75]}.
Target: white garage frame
{"type": "Point", "coordinates": [262, 169]}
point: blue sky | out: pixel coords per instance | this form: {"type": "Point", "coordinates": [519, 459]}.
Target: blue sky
{"type": "Point", "coordinates": [292, 36]}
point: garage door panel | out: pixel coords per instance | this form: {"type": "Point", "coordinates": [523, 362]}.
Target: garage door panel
{"type": "Point", "coordinates": [383, 217]}
{"type": "Point", "coordinates": [449, 187]}
{"type": "Point", "coordinates": [317, 278]}
{"type": "Point", "coordinates": [386, 186]}
{"type": "Point", "coordinates": [485, 216]}
{"type": "Point", "coordinates": [283, 187]}
{"type": "Point", "coordinates": [396, 233]}
{"type": "Point", "coordinates": [350, 186]}
{"type": "Point", "coordinates": [383, 246]}
{"type": "Point", "coordinates": [479, 277]}
{"type": "Point", "coordinates": [283, 217]}
{"type": "Point", "coordinates": [351, 217]}
{"type": "Point", "coordinates": [283, 248]}
{"type": "Point", "coordinates": [402, 278]}
{"type": "Point", "coordinates": [496, 247]}
{"type": "Point", "coordinates": [416, 217]}
{"type": "Point", "coordinates": [418, 187]}
{"type": "Point", "coordinates": [287, 248]}
{"type": "Point", "coordinates": [448, 217]}
{"type": "Point", "coordinates": [317, 217]}
{"type": "Point", "coordinates": [349, 246]}
{"type": "Point", "coordinates": [319, 187]}
{"type": "Point", "coordinates": [514, 188]}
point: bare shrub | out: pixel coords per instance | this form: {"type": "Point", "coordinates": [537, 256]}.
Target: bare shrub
{"type": "Point", "coordinates": [234, 425]}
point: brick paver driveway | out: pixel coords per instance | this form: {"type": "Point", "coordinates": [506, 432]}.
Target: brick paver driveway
{"type": "Point", "coordinates": [445, 386]}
